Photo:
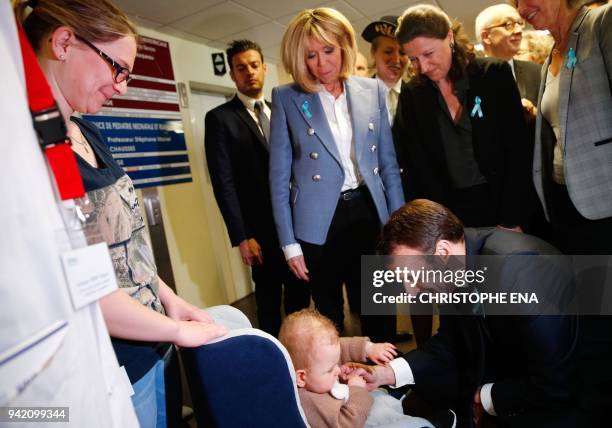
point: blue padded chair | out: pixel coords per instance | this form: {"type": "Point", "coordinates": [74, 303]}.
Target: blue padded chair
{"type": "Point", "coordinates": [245, 379]}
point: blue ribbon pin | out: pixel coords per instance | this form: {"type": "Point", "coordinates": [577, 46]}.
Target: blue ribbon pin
{"type": "Point", "coordinates": [571, 59]}
{"type": "Point", "coordinates": [477, 110]}
{"type": "Point", "coordinates": [305, 109]}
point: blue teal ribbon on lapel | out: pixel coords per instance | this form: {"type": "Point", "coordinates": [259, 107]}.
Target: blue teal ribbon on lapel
{"type": "Point", "coordinates": [306, 110]}
{"type": "Point", "coordinates": [571, 59]}
{"type": "Point", "coordinates": [477, 110]}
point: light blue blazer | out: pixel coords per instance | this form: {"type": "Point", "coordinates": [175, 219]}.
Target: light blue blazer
{"type": "Point", "coordinates": [306, 174]}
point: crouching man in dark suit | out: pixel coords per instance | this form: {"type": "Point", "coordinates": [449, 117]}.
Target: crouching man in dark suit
{"type": "Point", "coordinates": [236, 142]}
{"type": "Point", "coordinates": [492, 370]}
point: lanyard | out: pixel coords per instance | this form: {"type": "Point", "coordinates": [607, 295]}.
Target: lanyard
{"type": "Point", "coordinates": [49, 125]}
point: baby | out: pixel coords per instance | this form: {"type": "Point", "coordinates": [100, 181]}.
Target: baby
{"type": "Point", "coordinates": [316, 351]}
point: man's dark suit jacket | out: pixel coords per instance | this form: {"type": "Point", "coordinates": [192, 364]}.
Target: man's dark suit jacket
{"type": "Point", "coordinates": [500, 139]}
{"type": "Point", "coordinates": [237, 157]}
{"type": "Point", "coordinates": [528, 79]}
{"type": "Point", "coordinates": [528, 358]}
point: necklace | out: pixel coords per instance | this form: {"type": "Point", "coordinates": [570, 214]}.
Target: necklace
{"type": "Point", "coordinates": [81, 142]}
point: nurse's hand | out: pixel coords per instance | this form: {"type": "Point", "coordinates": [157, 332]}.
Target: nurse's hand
{"type": "Point", "coordinates": [297, 265]}
{"type": "Point", "coordinates": [180, 310]}
{"type": "Point", "coordinates": [190, 334]}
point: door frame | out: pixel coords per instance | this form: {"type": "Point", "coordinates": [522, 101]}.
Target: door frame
{"type": "Point", "coordinates": [236, 276]}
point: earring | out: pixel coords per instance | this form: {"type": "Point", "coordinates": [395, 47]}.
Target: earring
{"type": "Point", "coordinates": [62, 57]}
{"type": "Point", "coordinates": [452, 46]}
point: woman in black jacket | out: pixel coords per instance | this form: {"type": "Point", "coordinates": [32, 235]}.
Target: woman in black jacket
{"type": "Point", "coordinates": [461, 139]}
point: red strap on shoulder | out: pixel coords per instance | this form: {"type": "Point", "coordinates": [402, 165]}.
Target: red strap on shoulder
{"type": "Point", "coordinates": [49, 125]}
{"type": "Point", "coordinates": [39, 93]}
{"type": "Point", "coordinates": [66, 171]}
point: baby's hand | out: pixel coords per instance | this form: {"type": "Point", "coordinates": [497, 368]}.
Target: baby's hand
{"type": "Point", "coordinates": [381, 353]}
{"type": "Point", "coordinates": [356, 380]}
{"type": "Point", "coordinates": [347, 370]}
{"type": "Point", "coordinates": [350, 367]}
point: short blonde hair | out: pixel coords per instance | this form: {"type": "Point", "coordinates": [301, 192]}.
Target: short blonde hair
{"type": "Point", "coordinates": [326, 25]}
{"type": "Point", "coordinates": [302, 331]}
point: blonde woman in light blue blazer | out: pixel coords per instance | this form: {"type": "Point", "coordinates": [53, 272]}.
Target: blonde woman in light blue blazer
{"type": "Point", "coordinates": [334, 177]}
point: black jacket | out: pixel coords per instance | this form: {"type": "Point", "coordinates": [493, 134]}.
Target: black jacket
{"type": "Point", "coordinates": [500, 139]}
{"type": "Point", "coordinates": [237, 157]}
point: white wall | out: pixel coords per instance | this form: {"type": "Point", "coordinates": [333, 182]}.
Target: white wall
{"type": "Point", "coordinates": [198, 276]}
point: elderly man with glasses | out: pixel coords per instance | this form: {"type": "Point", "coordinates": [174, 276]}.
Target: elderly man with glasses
{"type": "Point", "coordinates": [499, 29]}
